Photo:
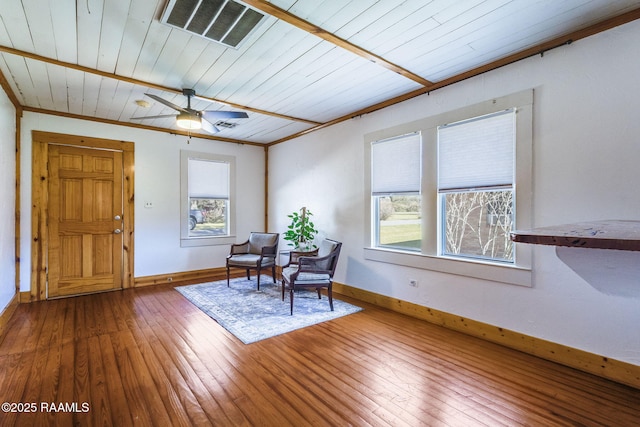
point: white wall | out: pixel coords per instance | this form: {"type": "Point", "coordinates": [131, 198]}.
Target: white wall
{"type": "Point", "coordinates": [157, 180]}
{"type": "Point", "coordinates": [586, 157]}
{"type": "Point", "coordinates": [8, 197]}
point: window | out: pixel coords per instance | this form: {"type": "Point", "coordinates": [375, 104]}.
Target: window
{"type": "Point", "coordinates": [395, 191]}
{"type": "Point", "coordinates": [475, 186]}
{"type": "Point", "coordinates": [474, 172]}
{"type": "Point", "coordinates": [207, 199]}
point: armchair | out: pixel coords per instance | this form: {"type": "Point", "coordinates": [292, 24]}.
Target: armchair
{"type": "Point", "coordinates": [258, 252]}
{"type": "Point", "coordinates": [312, 270]}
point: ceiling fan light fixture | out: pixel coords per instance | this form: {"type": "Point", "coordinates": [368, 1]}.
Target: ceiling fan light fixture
{"type": "Point", "coordinates": [191, 119]}
{"type": "Point", "coordinates": [188, 121]}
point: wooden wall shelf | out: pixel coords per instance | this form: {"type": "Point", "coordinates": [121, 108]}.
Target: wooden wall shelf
{"type": "Point", "coordinates": [608, 234]}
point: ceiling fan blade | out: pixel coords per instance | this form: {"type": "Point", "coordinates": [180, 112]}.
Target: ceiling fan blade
{"type": "Point", "coordinates": [209, 127]}
{"type": "Point", "coordinates": [167, 103]}
{"type": "Point", "coordinates": [164, 116]}
{"type": "Point", "coordinates": [215, 115]}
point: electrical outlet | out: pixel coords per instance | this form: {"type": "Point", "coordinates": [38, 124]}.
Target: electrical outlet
{"type": "Point", "coordinates": [413, 283]}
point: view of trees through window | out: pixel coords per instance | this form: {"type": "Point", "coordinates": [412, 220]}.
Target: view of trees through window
{"type": "Point", "coordinates": [207, 217]}
{"type": "Point", "coordinates": [478, 224]}
{"type": "Point", "coordinates": [399, 222]}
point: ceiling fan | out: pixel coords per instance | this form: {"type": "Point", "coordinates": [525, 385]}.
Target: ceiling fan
{"type": "Point", "coordinates": [188, 118]}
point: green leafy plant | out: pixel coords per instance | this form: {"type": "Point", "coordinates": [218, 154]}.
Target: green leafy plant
{"type": "Point", "coordinates": [301, 231]}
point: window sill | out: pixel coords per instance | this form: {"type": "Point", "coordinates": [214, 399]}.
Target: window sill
{"type": "Point", "coordinates": [503, 273]}
{"type": "Point", "coordinates": [207, 241]}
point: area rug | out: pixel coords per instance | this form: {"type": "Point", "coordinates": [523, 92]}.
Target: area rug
{"type": "Point", "coordinates": [253, 315]}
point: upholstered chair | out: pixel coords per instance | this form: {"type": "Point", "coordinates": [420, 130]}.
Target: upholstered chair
{"type": "Point", "coordinates": [312, 270]}
{"type": "Point", "coordinates": [257, 253]}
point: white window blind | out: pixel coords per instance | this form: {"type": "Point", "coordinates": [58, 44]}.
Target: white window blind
{"type": "Point", "coordinates": [395, 165]}
{"type": "Point", "coordinates": [477, 153]}
{"type": "Point", "coordinates": [208, 179]}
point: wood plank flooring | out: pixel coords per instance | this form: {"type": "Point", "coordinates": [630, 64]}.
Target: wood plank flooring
{"type": "Point", "coordinates": [147, 356]}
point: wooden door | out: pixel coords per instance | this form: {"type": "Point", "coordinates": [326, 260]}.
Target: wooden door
{"type": "Point", "coordinates": [85, 244]}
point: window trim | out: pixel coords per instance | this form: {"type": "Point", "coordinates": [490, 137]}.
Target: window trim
{"type": "Point", "coordinates": [190, 241]}
{"type": "Point", "coordinates": [518, 273]}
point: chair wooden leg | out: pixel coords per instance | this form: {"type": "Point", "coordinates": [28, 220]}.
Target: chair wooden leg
{"type": "Point", "coordinates": [258, 273]}
{"type": "Point", "coordinates": [273, 273]}
{"type": "Point", "coordinates": [227, 276]}
{"type": "Point", "coordinates": [291, 298]}
{"type": "Point", "coordinates": [329, 293]}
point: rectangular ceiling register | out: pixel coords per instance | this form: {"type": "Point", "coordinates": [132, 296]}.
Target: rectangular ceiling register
{"type": "Point", "coordinates": [224, 21]}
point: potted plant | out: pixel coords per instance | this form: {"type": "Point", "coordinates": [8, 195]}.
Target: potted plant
{"type": "Point", "coordinates": [301, 231]}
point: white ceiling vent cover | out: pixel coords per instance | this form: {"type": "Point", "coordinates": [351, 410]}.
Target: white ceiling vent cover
{"type": "Point", "coordinates": [224, 21]}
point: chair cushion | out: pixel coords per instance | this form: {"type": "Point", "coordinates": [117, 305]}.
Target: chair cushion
{"type": "Point", "coordinates": [249, 260]}
{"type": "Point", "coordinates": [259, 240]}
{"type": "Point", "coordinates": [304, 278]}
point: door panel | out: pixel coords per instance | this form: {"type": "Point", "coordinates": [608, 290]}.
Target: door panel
{"type": "Point", "coordinates": [85, 195]}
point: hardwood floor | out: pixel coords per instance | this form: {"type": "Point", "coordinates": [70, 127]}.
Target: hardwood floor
{"type": "Point", "coordinates": [149, 357]}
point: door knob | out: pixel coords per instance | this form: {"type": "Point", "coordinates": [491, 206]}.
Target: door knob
{"type": "Point", "coordinates": [117, 218]}
{"type": "Point", "coordinates": [117, 231]}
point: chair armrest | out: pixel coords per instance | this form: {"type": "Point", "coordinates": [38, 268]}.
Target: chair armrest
{"type": "Point", "coordinates": [269, 251]}
{"type": "Point", "coordinates": [294, 256]}
{"type": "Point", "coordinates": [239, 248]}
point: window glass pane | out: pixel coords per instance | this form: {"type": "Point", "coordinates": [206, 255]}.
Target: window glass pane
{"type": "Point", "coordinates": [207, 199]}
{"type": "Point", "coordinates": [208, 217]}
{"type": "Point", "coordinates": [477, 224]}
{"type": "Point", "coordinates": [398, 222]}
{"type": "Point", "coordinates": [475, 183]}
{"type": "Point", "coordinates": [208, 189]}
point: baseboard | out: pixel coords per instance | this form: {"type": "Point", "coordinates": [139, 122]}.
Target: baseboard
{"type": "Point", "coordinates": [7, 313]}
{"type": "Point", "coordinates": [179, 278]}
{"type": "Point", "coordinates": [25, 297]}
{"type": "Point", "coordinates": [615, 370]}
{"type": "Point", "coordinates": [187, 277]}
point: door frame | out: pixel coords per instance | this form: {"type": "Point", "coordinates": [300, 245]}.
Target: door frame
{"type": "Point", "coordinates": [40, 198]}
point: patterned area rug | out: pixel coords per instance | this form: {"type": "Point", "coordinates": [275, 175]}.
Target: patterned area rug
{"type": "Point", "coordinates": [253, 315]}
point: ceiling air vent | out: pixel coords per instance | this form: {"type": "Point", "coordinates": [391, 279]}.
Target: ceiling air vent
{"type": "Point", "coordinates": [223, 21]}
{"type": "Point", "coordinates": [226, 125]}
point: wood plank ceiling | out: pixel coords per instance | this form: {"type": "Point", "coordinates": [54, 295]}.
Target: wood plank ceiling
{"type": "Point", "coordinates": [308, 64]}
